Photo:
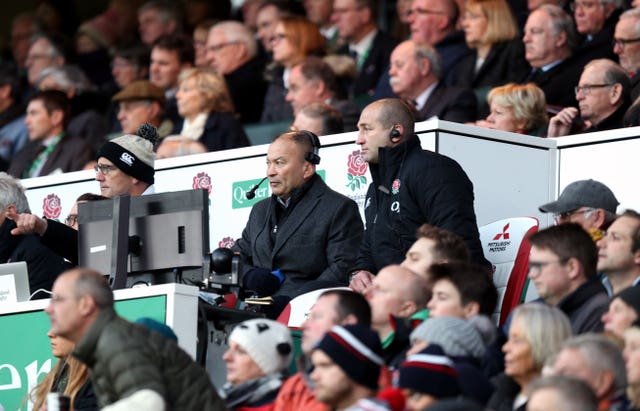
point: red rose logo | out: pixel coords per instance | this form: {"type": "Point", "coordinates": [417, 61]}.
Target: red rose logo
{"type": "Point", "coordinates": [356, 164]}
{"type": "Point", "coordinates": [202, 180]}
{"type": "Point", "coordinates": [226, 242]}
{"type": "Point", "coordinates": [395, 186]}
{"type": "Point", "coordinates": [51, 206]}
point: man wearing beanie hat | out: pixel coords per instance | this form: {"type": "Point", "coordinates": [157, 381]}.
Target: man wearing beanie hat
{"type": "Point", "coordinates": [427, 377]}
{"type": "Point", "coordinates": [586, 202]}
{"type": "Point", "coordinates": [347, 364]}
{"type": "Point", "coordinates": [260, 350]}
{"type": "Point", "coordinates": [619, 253]}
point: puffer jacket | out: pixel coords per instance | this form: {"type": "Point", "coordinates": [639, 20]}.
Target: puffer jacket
{"type": "Point", "coordinates": [125, 358]}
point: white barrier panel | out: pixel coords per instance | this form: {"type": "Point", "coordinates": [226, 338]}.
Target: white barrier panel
{"type": "Point", "coordinates": [512, 174]}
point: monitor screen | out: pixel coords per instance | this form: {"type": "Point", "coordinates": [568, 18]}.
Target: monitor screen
{"type": "Point", "coordinates": [167, 231]}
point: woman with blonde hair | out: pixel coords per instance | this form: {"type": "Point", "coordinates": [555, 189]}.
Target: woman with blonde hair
{"type": "Point", "coordinates": [69, 377]}
{"type": "Point", "coordinates": [536, 333]}
{"type": "Point", "coordinates": [294, 38]}
{"type": "Point", "coordinates": [497, 55]}
{"type": "Point", "coordinates": [518, 108]}
{"type": "Point", "coordinates": [207, 110]}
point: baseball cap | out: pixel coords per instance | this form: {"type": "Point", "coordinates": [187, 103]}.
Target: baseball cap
{"type": "Point", "coordinates": [583, 193]}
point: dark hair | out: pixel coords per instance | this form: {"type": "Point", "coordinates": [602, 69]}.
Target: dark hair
{"type": "Point", "coordinates": [351, 303]}
{"type": "Point", "coordinates": [137, 54]}
{"type": "Point", "coordinates": [60, 45]}
{"type": "Point", "coordinates": [448, 246]}
{"type": "Point", "coordinates": [569, 241]}
{"type": "Point", "coordinates": [168, 10]}
{"type": "Point", "coordinates": [331, 118]}
{"type": "Point", "coordinates": [314, 68]}
{"type": "Point", "coordinates": [180, 44]}
{"type": "Point", "coordinates": [635, 236]}
{"type": "Point", "coordinates": [9, 77]}
{"type": "Point", "coordinates": [53, 100]}
{"type": "Point", "coordinates": [473, 282]}
{"type": "Point", "coordinates": [90, 197]}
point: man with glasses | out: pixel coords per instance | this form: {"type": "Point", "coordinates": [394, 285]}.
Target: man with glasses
{"type": "Point", "coordinates": [232, 51]}
{"type": "Point", "coordinates": [603, 98]}
{"type": "Point", "coordinates": [588, 203]}
{"type": "Point", "coordinates": [562, 266]}
{"type": "Point", "coordinates": [626, 44]}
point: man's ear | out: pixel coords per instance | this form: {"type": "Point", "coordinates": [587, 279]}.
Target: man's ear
{"type": "Point", "coordinates": [574, 268]}
{"type": "Point", "coordinates": [615, 94]}
{"type": "Point", "coordinates": [471, 309]}
{"type": "Point", "coordinates": [57, 117]}
{"type": "Point", "coordinates": [86, 305]}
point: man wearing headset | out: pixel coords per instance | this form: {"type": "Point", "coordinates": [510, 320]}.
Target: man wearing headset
{"type": "Point", "coordinates": [303, 237]}
{"type": "Point", "coordinates": [410, 187]}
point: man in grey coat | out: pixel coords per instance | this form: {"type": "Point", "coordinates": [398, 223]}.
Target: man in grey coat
{"type": "Point", "coordinates": [305, 236]}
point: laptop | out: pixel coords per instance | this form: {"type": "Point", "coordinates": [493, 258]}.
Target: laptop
{"type": "Point", "coordinates": [14, 282]}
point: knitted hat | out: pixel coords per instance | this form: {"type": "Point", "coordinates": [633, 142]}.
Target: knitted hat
{"type": "Point", "coordinates": [631, 297]}
{"type": "Point", "coordinates": [457, 337]}
{"type": "Point", "coordinates": [583, 193]}
{"type": "Point", "coordinates": [429, 372]}
{"type": "Point", "coordinates": [356, 349]}
{"type": "Point", "coordinates": [267, 342]}
{"type": "Point", "coordinates": [133, 154]}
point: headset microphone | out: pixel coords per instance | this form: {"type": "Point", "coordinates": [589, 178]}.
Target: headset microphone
{"type": "Point", "coordinates": [252, 193]}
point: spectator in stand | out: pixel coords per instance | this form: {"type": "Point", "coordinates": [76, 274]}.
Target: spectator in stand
{"type": "Point", "coordinates": [269, 14]}
{"type": "Point", "coordinates": [619, 253]}
{"type": "Point", "coordinates": [517, 108]}
{"type": "Point", "coordinates": [23, 27]}
{"type": "Point", "coordinates": [416, 76]}
{"type": "Point", "coordinates": [130, 63]}
{"type": "Point", "coordinates": [320, 12]}
{"type": "Point", "coordinates": [562, 266]}
{"type": "Point", "coordinates": [624, 312]}
{"type": "Point", "coordinates": [595, 23]}
{"type": "Point", "coordinates": [13, 131]}
{"type": "Point", "coordinates": [549, 40]}
{"type": "Point", "coordinates": [69, 377]}
{"type": "Point", "coordinates": [627, 46]}
{"type": "Point", "coordinates": [294, 39]}
{"type": "Point", "coordinates": [169, 57]}
{"type": "Point", "coordinates": [603, 98]}
{"type": "Point", "coordinates": [586, 202]}
{"type": "Point", "coordinates": [86, 120]}
{"type": "Point", "coordinates": [50, 150]}
{"type": "Point", "coordinates": [259, 353]}
{"type": "Point", "coordinates": [319, 118]}
{"type": "Point", "coordinates": [142, 102]}
{"type": "Point", "coordinates": [200, 34]}
{"type": "Point", "coordinates": [207, 111]}
{"type": "Point", "coordinates": [536, 334]}
{"type": "Point", "coordinates": [561, 394]}
{"type": "Point", "coordinates": [631, 355]}
{"type": "Point", "coordinates": [370, 47]}
{"type": "Point", "coordinates": [400, 25]}
{"type": "Point", "coordinates": [313, 80]}
{"type": "Point", "coordinates": [596, 360]}
{"type": "Point", "coordinates": [232, 52]}
{"type": "Point", "coordinates": [157, 18]}
{"type": "Point", "coordinates": [72, 217]}
{"type": "Point", "coordinates": [46, 50]}
{"type": "Point", "coordinates": [497, 54]}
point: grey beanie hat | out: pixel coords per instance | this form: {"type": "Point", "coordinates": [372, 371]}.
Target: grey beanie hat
{"type": "Point", "coordinates": [457, 337]}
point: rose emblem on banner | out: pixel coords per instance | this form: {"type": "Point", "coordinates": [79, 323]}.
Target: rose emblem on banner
{"type": "Point", "coordinates": [202, 180]}
{"type": "Point", "coordinates": [226, 242]}
{"type": "Point", "coordinates": [51, 206]}
{"type": "Point", "coordinates": [356, 170]}
{"type": "Point", "coordinates": [395, 186]}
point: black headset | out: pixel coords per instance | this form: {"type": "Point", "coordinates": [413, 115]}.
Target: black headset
{"type": "Point", "coordinates": [312, 156]}
{"type": "Point", "coordinates": [394, 134]}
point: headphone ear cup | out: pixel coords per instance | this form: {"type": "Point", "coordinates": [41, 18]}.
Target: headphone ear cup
{"type": "Point", "coordinates": [394, 134]}
{"type": "Point", "coordinates": [312, 156]}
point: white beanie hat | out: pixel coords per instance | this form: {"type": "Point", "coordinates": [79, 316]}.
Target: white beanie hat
{"type": "Point", "coordinates": [267, 342]}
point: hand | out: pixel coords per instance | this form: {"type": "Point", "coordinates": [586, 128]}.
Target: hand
{"type": "Point", "coordinates": [27, 223]}
{"type": "Point", "coordinates": [561, 123]}
{"type": "Point", "coordinates": [361, 281]}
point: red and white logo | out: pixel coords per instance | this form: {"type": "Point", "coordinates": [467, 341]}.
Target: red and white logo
{"type": "Point", "coordinates": [202, 180]}
{"type": "Point", "coordinates": [51, 206]}
{"type": "Point", "coordinates": [504, 234]}
{"type": "Point", "coordinates": [226, 242]}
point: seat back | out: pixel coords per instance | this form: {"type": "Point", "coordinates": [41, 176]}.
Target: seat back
{"type": "Point", "coordinates": [505, 246]}
{"type": "Point", "coordinates": [295, 313]}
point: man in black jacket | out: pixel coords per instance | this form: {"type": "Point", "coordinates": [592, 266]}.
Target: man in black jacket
{"type": "Point", "coordinates": [410, 187]}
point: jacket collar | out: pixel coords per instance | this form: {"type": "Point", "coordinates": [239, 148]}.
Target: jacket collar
{"type": "Point", "coordinates": [85, 349]}
{"type": "Point", "coordinates": [390, 160]}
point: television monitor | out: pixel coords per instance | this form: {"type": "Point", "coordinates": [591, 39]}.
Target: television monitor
{"type": "Point", "coordinates": [168, 237]}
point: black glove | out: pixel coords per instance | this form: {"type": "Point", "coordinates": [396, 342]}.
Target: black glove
{"type": "Point", "coordinates": [262, 281]}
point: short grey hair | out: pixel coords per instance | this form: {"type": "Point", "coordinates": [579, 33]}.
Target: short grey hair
{"type": "Point", "coordinates": [601, 354]}
{"type": "Point", "coordinates": [561, 22]}
{"type": "Point", "coordinates": [94, 284]}
{"type": "Point", "coordinates": [237, 32]}
{"type": "Point", "coordinates": [67, 78]}
{"type": "Point", "coordinates": [546, 330]}
{"type": "Point", "coordinates": [574, 394]}
{"type": "Point", "coordinates": [425, 51]}
{"type": "Point", "coordinates": [12, 193]}
{"type": "Point", "coordinates": [633, 13]}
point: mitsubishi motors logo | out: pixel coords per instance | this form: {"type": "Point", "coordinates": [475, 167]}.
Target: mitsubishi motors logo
{"type": "Point", "coordinates": [504, 234]}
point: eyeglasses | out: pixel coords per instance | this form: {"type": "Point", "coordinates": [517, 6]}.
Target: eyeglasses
{"type": "Point", "coordinates": [424, 11]}
{"type": "Point", "coordinates": [621, 43]}
{"type": "Point", "coordinates": [539, 266]}
{"type": "Point", "coordinates": [277, 37]}
{"type": "Point", "coordinates": [584, 5]}
{"type": "Point", "coordinates": [567, 214]}
{"type": "Point", "coordinates": [71, 219]}
{"type": "Point", "coordinates": [103, 169]}
{"type": "Point", "coordinates": [587, 88]}
{"type": "Point", "coordinates": [220, 46]}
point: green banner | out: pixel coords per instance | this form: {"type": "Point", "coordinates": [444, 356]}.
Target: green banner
{"type": "Point", "coordinates": [25, 353]}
